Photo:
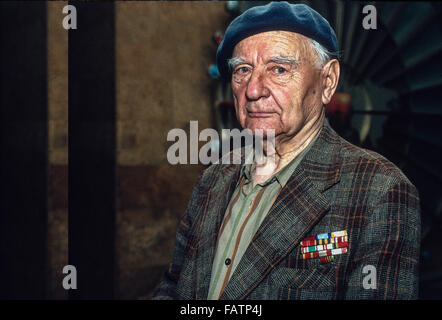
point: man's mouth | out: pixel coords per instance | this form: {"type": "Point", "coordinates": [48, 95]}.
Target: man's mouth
{"type": "Point", "coordinates": [259, 114]}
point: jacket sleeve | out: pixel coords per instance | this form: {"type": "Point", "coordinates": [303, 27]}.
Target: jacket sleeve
{"type": "Point", "coordinates": [166, 289]}
{"type": "Point", "coordinates": [386, 261]}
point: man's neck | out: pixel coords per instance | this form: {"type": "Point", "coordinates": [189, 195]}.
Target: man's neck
{"type": "Point", "coordinates": [283, 152]}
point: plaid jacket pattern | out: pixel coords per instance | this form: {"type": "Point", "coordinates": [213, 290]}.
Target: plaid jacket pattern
{"type": "Point", "coordinates": [337, 186]}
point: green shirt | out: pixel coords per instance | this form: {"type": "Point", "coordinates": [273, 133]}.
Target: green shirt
{"type": "Point", "coordinates": [246, 210]}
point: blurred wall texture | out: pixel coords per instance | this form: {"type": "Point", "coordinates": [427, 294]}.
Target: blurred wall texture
{"type": "Point", "coordinates": [163, 51]}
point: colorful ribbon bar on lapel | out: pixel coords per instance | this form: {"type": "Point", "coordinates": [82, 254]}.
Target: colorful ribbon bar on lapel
{"type": "Point", "coordinates": [324, 253]}
{"type": "Point", "coordinates": [328, 235]}
{"type": "Point", "coordinates": [327, 259]}
{"type": "Point", "coordinates": [324, 246]}
{"type": "Point", "coordinates": [313, 242]}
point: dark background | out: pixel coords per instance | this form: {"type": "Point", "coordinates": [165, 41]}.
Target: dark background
{"type": "Point", "coordinates": [85, 116]}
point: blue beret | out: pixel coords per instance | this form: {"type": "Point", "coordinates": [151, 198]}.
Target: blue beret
{"type": "Point", "coordinates": [284, 16]}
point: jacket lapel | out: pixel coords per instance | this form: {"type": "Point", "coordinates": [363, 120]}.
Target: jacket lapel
{"type": "Point", "coordinates": [299, 206]}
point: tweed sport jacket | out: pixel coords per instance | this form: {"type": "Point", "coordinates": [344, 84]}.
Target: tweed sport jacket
{"type": "Point", "coordinates": [337, 186]}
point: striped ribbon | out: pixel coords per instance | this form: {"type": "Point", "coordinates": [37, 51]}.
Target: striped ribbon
{"type": "Point", "coordinates": [324, 253]}
{"type": "Point", "coordinates": [309, 243]}
{"type": "Point", "coordinates": [327, 259]}
{"type": "Point", "coordinates": [324, 247]}
{"type": "Point", "coordinates": [328, 235]}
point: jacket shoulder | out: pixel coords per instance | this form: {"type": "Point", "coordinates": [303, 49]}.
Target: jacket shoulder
{"type": "Point", "coordinates": [358, 160]}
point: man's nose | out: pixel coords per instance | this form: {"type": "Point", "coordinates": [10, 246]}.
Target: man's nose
{"type": "Point", "coordinates": [256, 87]}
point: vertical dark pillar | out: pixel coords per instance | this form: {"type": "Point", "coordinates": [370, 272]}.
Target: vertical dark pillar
{"type": "Point", "coordinates": [23, 149]}
{"type": "Point", "coordinates": [92, 128]}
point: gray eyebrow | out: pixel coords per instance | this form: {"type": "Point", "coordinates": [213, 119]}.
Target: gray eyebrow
{"type": "Point", "coordinates": [234, 62]}
{"type": "Point", "coordinates": [284, 60]}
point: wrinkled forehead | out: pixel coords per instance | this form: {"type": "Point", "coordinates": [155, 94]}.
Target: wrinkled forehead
{"type": "Point", "coordinates": [273, 43]}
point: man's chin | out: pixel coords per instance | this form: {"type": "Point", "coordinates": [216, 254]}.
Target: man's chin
{"type": "Point", "coordinates": [262, 127]}
{"type": "Point", "coordinates": [263, 132]}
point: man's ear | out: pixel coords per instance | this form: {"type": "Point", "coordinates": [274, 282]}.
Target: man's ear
{"type": "Point", "coordinates": [330, 79]}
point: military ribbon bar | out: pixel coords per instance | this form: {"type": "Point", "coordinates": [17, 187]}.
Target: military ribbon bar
{"type": "Point", "coordinates": [324, 247]}
{"type": "Point", "coordinates": [324, 253]}
{"type": "Point", "coordinates": [308, 242]}
{"type": "Point", "coordinates": [327, 259]}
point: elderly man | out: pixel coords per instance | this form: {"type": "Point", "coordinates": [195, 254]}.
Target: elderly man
{"type": "Point", "coordinates": [327, 220]}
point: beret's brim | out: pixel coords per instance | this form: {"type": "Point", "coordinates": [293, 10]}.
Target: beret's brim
{"type": "Point", "coordinates": [274, 16]}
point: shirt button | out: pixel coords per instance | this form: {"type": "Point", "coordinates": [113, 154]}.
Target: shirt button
{"type": "Point", "coordinates": [228, 261]}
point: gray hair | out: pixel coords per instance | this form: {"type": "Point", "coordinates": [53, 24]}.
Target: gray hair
{"type": "Point", "coordinates": [323, 54]}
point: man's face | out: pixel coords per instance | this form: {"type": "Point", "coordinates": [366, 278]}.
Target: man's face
{"type": "Point", "coordinates": [275, 82]}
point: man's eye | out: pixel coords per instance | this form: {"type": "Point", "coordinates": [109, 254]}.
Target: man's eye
{"type": "Point", "coordinates": [280, 70]}
{"type": "Point", "coordinates": [242, 70]}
